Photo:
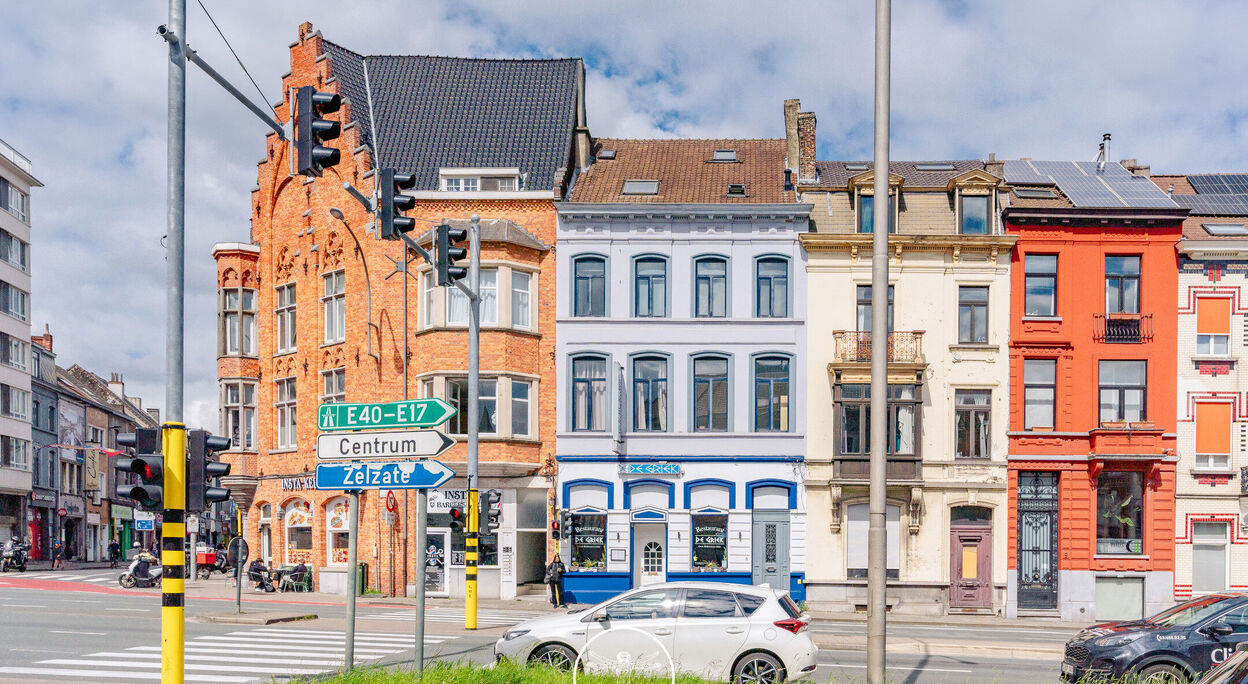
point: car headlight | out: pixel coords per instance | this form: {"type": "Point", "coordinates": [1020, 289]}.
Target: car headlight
{"type": "Point", "coordinates": [1119, 639]}
{"type": "Point", "coordinates": [514, 633]}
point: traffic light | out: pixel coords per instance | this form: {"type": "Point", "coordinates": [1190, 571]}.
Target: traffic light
{"type": "Point", "coordinates": [148, 464]}
{"type": "Point", "coordinates": [458, 521]}
{"type": "Point", "coordinates": [312, 158]}
{"type": "Point", "coordinates": [451, 249]}
{"type": "Point", "coordinates": [554, 530]}
{"type": "Point", "coordinates": [394, 202]}
{"type": "Point", "coordinates": [201, 470]}
{"type": "Point", "coordinates": [565, 524]}
{"type": "Point", "coordinates": [493, 514]}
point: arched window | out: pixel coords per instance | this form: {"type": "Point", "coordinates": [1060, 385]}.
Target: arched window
{"type": "Point", "coordinates": [298, 524]}
{"type": "Point", "coordinates": [710, 287]}
{"type": "Point", "coordinates": [771, 287]}
{"type": "Point", "coordinates": [589, 293]}
{"type": "Point", "coordinates": [337, 529]}
{"type": "Point", "coordinates": [589, 393]}
{"type": "Point", "coordinates": [650, 287]}
{"type": "Point", "coordinates": [650, 394]}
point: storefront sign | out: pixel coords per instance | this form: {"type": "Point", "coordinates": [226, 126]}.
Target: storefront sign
{"type": "Point", "coordinates": [122, 512]}
{"type": "Point", "coordinates": [72, 506]}
{"type": "Point", "coordinates": [44, 498]}
{"type": "Point", "coordinates": [298, 484]}
{"type": "Point", "coordinates": [93, 518]}
{"type": "Point", "coordinates": [650, 469]}
{"type": "Point", "coordinates": [442, 500]}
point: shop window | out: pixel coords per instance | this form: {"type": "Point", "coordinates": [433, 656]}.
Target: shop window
{"type": "Point", "coordinates": [337, 529]}
{"type": "Point", "coordinates": [1213, 326]}
{"type": "Point", "coordinates": [1213, 436]}
{"type": "Point", "coordinates": [1209, 549]}
{"type": "Point", "coordinates": [857, 516]}
{"type": "Point", "coordinates": [589, 540]}
{"type": "Point", "coordinates": [298, 524]}
{"type": "Point", "coordinates": [1120, 512]}
{"type": "Point", "coordinates": [710, 541]}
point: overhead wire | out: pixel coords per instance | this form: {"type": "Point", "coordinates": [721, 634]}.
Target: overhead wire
{"type": "Point", "coordinates": [236, 57]}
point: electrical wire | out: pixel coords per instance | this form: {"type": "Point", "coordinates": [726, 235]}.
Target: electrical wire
{"type": "Point", "coordinates": [236, 57]}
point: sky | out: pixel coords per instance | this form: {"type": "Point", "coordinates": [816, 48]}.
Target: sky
{"type": "Point", "coordinates": [84, 97]}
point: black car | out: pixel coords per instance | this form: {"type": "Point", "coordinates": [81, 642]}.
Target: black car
{"type": "Point", "coordinates": [1175, 645]}
{"type": "Point", "coordinates": [1233, 671]}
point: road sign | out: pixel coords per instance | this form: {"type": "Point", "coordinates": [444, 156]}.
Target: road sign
{"type": "Point", "coordinates": [144, 525]}
{"type": "Point", "coordinates": [192, 524]}
{"type": "Point", "coordinates": [425, 474]}
{"type": "Point", "coordinates": [237, 551]}
{"type": "Point", "coordinates": [389, 445]}
{"type": "Point", "coordinates": [396, 414]}
{"type": "Point", "coordinates": [392, 503]}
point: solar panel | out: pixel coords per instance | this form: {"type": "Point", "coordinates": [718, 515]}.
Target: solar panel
{"type": "Point", "coordinates": [1019, 171]}
{"type": "Point", "coordinates": [1224, 204]}
{"type": "Point", "coordinates": [1220, 183]}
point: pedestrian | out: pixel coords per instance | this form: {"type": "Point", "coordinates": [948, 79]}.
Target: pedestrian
{"type": "Point", "coordinates": [58, 556]}
{"type": "Point", "coordinates": [114, 553]}
{"type": "Point", "coordinates": [554, 577]}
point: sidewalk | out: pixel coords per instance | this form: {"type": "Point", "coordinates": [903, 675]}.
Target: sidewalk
{"type": "Point", "coordinates": [1051, 624]}
{"type": "Point", "coordinates": [46, 565]}
{"type": "Point", "coordinates": [943, 647]}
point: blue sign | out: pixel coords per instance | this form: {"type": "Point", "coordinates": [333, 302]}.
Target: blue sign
{"type": "Point", "coordinates": [148, 525]}
{"type": "Point", "coordinates": [649, 468]}
{"type": "Point", "coordinates": [426, 474]}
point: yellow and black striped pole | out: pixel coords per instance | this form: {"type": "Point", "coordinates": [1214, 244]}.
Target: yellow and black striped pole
{"type": "Point", "coordinates": [470, 562]}
{"type": "Point", "coordinates": [173, 556]}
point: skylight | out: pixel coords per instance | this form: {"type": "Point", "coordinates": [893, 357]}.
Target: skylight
{"type": "Point", "coordinates": [1035, 193]}
{"type": "Point", "coordinates": [725, 156]}
{"type": "Point", "coordinates": [606, 154]}
{"type": "Point", "coordinates": [641, 187]}
{"type": "Point", "coordinates": [933, 166]}
{"type": "Point", "coordinates": [1225, 228]}
{"type": "Point", "coordinates": [737, 189]}
{"type": "Point", "coordinates": [856, 167]}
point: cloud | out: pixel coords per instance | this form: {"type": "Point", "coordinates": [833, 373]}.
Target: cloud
{"type": "Point", "coordinates": [85, 99]}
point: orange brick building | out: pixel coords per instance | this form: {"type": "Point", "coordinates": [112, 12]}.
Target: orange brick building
{"type": "Point", "coordinates": [1092, 381]}
{"type": "Point", "coordinates": [312, 307]}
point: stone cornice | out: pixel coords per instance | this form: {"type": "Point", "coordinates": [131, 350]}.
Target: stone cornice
{"type": "Point", "coordinates": [856, 244]}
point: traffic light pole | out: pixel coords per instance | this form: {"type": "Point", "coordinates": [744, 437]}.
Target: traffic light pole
{"type": "Point", "coordinates": [173, 555]}
{"type": "Point", "coordinates": [474, 419]}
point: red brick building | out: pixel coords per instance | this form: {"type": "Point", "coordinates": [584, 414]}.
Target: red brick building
{"type": "Point", "coordinates": [1092, 381]}
{"type": "Point", "coordinates": [312, 306]}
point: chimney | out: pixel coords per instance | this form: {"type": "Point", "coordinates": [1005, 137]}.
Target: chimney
{"type": "Point", "coordinates": [305, 29]}
{"type": "Point", "coordinates": [117, 385]}
{"type": "Point", "coordinates": [996, 168]}
{"type": "Point", "coordinates": [1137, 168]}
{"type": "Point", "coordinates": [44, 340]}
{"type": "Point", "coordinates": [792, 150]}
{"type": "Point", "coordinates": [137, 401]}
{"type": "Point", "coordinates": [806, 147]}
{"type": "Point", "coordinates": [154, 413]}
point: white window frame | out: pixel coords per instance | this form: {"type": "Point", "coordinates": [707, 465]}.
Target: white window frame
{"type": "Point", "coordinates": [527, 402]}
{"type": "Point", "coordinates": [18, 401]}
{"type": "Point", "coordinates": [334, 307]}
{"type": "Point", "coordinates": [522, 300]}
{"type": "Point", "coordinates": [14, 352]}
{"type": "Point", "coordinates": [488, 296]}
{"type": "Point", "coordinates": [1225, 545]}
{"type": "Point", "coordinates": [238, 320]}
{"type": "Point", "coordinates": [329, 532]}
{"type": "Point", "coordinates": [9, 244]}
{"type": "Point", "coordinates": [334, 385]}
{"type": "Point", "coordinates": [285, 315]}
{"type": "Point", "coordinates": [240, 409]}
{"type": "Point", "coordinates": [286, 405]}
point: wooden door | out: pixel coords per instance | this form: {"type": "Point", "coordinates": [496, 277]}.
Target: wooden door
{"type": "Point", "coordinates": [970, 581]}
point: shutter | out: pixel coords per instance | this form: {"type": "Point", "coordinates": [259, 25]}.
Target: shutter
{"type": "Point", "coordinates": [1213, 316]}
{"type": "Point", "coordinates": [1213, 428]}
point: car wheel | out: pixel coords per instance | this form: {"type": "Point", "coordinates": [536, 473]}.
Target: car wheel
{"type": "Point", "coordinates": [1163, 674]}
{"type": "Point", "coordinates": [554, 655]}
{"type": "Point", "coordinates": [759, 668]}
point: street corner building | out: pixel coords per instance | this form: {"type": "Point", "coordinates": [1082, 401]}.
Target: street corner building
{"type": "Point", "coordinates": [20, 510]}
{"type": "Point", "coordinates": [1093, 348]}
{"type": "Point", "coordinates": [948, 400]}
{"type": "Point", "coordinates": [314, 308]}
{"type": "Point", "coordinates": [681, 341]}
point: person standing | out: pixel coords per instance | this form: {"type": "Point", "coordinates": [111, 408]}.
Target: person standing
{"type": "Point", "coordinates": [58, 555]}
{"type": "Point", "coordinates": [554, 577]}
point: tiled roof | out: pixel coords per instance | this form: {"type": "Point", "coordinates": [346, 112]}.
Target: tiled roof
{"type": "Point", "coordinates": [685, 172]}
{"type": "Point", "coordinates": [1180, 183]}
{"type": "Point", "coordinates": [1194, 229]}
{"type": "Point", "coordinates": [838, 173]}
{"type": "Point", "coordinates": [1058, 200]}
{"type": "Point", "coordinates": [445, 112]}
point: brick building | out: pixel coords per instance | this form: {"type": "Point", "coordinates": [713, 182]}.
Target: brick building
{"type": "Point", "coordinates": [312, 308]}
{"type": "Point", "coordinates": [1092, 381]}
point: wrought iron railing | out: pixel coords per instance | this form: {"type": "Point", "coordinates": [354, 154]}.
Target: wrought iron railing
{"type": "Point", "coordinates": [854, 346]}
{"type": "Point", "coordinates": [1123, 328]}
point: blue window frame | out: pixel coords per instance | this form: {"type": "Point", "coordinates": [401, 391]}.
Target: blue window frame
{"type": "Point", "coordinates": [772, 406]}
{"type": "Point", "coordinates": [710, 287]}
{"type": "Point", "coordinates": [650, 287]}
{"type": "Point", "coordinates": [771, 293]}
{"type": "Point", "coordinates": [589, 393]}
{"type": "Point", "coordinates": [650, 394]}
{"type": "Point", "coordinates": [590, 287]}
{"type": "Point", "coordinates": [710, 394]}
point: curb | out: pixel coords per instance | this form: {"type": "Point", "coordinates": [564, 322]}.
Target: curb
{"type": "Point", "coordinates": [943, 648]}
{"type": "Point", "coordinates": [253, 618]}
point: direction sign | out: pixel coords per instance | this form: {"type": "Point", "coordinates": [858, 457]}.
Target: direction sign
{"type": "Point", "coordinates": [396, 414]}
{"type": "Point", "coordinates": [425, 474]}
{"type": "Point", "coordinates": [390, 444]}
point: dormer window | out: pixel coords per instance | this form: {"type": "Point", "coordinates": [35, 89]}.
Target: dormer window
{"type": "Point", "coordinates": [1035, 193]}
{"type": "Point", "coordinates": [857, 166]}
{"type": "Point", "coordinates": [933, 166]}
{"type": "Point", "coordinates": [641, 187]}
{"type": "Point", "coordinates": [1224, 229]}
{"type": "Point", "coordinates": [606, 154]}
{"type": "Point", "coordinates": [467, 184]}
{"type": "Point", "coordinates": [725, 156]}
{"type": "Point", "coordinates": [480, 180]}
{"type": "Point", "coordinates": [736, 190]}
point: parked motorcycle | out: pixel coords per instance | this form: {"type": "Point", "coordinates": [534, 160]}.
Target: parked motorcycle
{"type": "Point", "coordinates": [14, 555]}
{"type": "Point", "coordinates": [131, 579]}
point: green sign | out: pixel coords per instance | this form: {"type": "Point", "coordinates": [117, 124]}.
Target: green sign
{"type": "Point", "coordinates": [396, 414]}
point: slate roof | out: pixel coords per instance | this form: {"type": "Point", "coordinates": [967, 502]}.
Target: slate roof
{"type": "Point", "coordinates": [449, 112]}
{"type": "Point", "coordinates": [685, 172]}
{"type": "Point", "coordinates": [836, 173]}
{"type": "Point", "coordinates": [494, 230]}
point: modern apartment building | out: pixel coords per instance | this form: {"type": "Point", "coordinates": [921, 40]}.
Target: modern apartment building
{"type": "Point", "coordinates": [948, 398]}
{"type": "Point", "coordinates": [681, 343]}
{"type": "Point", "coordinates": [16, 182]}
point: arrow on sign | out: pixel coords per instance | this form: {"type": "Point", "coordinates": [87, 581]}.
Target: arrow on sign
{"type": "Point", "coordinates": [396, 414]}
{"type": "Point", "coordinates": [395, 475]}
{"type": "Point", "coordinates": [391, 444]}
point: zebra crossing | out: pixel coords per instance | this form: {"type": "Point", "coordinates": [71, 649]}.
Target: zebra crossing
{"type": "Point", "coordinates": [74, 576]}
{"type": "Point", "coordinates": [260, 654]}
{"type": "Point", "coordinates": [485, 618]}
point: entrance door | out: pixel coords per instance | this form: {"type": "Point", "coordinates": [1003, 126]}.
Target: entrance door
{"type": "Point", "coordinates": [1037, 540]}
{"type": "Point", "coordinates": [770, 556]}
{"type": "Point", "coordinates": [435, 561]}
{"type": "Point", "coordinates": [649, 554]}
{"type": "Point", "coordinates": [266, 544]}
{"type": "Point", "coordinates": [970, 581]}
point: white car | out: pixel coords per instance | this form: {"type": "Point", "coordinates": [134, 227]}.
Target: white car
{"type": "Point", "coordinates": [711, 629]}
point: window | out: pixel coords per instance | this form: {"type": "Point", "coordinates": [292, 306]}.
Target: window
{"type": "Point", "coordinates": [974, 214]}
{"type": "Point", "coordinates": [1040, 276]}
{"type": "Point", "coordinates": [13, 250]}
{"type": "Point", "coordinates": [1213, 326]}
{"type": "Point", "coordinates": [590, 293]}
{"type": "Point", "coordinates": [426, 301]}
{"type": "Point", "coordinates": [498, 183]}
{"type": "Point", "coordinates": [521, 391]}
{"type": "Point", "coordinates": [487, 400]}
{"type": "Point", "coordinates": [239, 415]}
{"type": "Point", "coordinates": [285, 404]}
{"type": "Point", "coordinates": [771, 394]}
{"type": "Point", "coordinates": [710, 287]}
{"type": "Point", "coordinates": [971, 421]}
{"type": "Point", "coordinates": [771, 293]}
{"type": "Point", "coordinates": [866, 213]}
{"type": "Point", "coordinates": [298, 523]}
{"type": "Point", "coordinates": [13, 352]}
{"type": "Point", "coordinates": [650, 287]}
{"type": "Point", "coordinates": [750, 603]}
{"type": "Point", "coordinates": [972, 315]}
{"type": "Point", "coordinates": [1039, 393]}
{"type": "Point", "coordinates": [337, 530]}
{"type": "Point", "coordinates": [710, 394]}
{"type": "Point", "coordinates": [36, 366]}
{"type": "Point", "coordinates": [648, 605]}
{"type": "Point", "coordinates": [650, 394]}
{"type": "Point", "coordinates": [487, 403]}
{"type": "Point", "coordinates": [285, 314]}
{"type": "Point", "coordinates": [1225, 228]}
{"type": "Point", "coordinates": [589, 540]}
{"type": "Point", "coordinates": [1122, 284]}
{"type": "Point", "coordinates": [238, 317]}
{"type": "Point", "coordinates": [736, 190]}
{"type": "Point", "coordinates": [1120, 512]}
{"type": "Point", "coordinates": [14, 403]}
{"type": "Point", "coordinates": [14, 301]}
{"type": "Point", "coordinates": [855, 423]}
{"type": "Point", "coordinates": [1123, 385]}
{"type": "Point", "coordinates": [521, 283]}
{"type": "Point", "coordinates": [725, 156]}
{"type": "Point", "coordinates": [1209, 544]}
{"type": "Point", "coordinates": [1035, 193]}
{"type": "Point", "coordinates": [14, 453]}
{"type": "Point", "coordinates": [589, 393]}
{"type": "Point", "coordinates": [710, 541]}
{"type": "Point", "coordinates": [704, 603]}
{"type": "Point", "coordinates": [489, 296]}
{"type": "Point", "coordinates": [334, 386]}
{"type": "Point", "coordinates": [641, 187]}
{"type": "Point", "coordinates": [460, 184]}
{"type": "Point", "coordinates": [864, 308]}
{"type": "Point", "coordinates": [13, 200]}
{"type": "Point", "coordinates": [334, 306]}
{"type": "Point", "coordinates": [856, 523]}
{"type": "Point", "coordinates": [1213, 435]}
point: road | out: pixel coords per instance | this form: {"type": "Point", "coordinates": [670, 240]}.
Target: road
{"type": "Point", "coordinates": [87, 630]}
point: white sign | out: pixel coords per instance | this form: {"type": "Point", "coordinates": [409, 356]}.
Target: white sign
{"type": "Point", "coordinates": [390, 444]}
{"type": "Point", "coordinates": [443, 500]}
{"type": "Point", "coordinates": [192, 524]}
{"type": "Point", "coordinates": [144, 515]}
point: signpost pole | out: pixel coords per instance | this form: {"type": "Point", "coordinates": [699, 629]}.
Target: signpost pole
{"type": "Point", "coordinates": [354, 518]}
{"type": "Point", "coordinates": [422, 507]}
{"type": "Point", "coordinates": [474, 419]}
{"type": "Point", "coordinates": [238, 583]}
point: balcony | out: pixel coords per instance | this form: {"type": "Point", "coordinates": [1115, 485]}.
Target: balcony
{"type": "Point", "coordinates": [1122, 328]}
{"type": "Point", "coordinates": [854, 346]}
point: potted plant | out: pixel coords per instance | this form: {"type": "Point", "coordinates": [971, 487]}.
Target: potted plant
{"type": "Point", "coordinates": [1114, 424]}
